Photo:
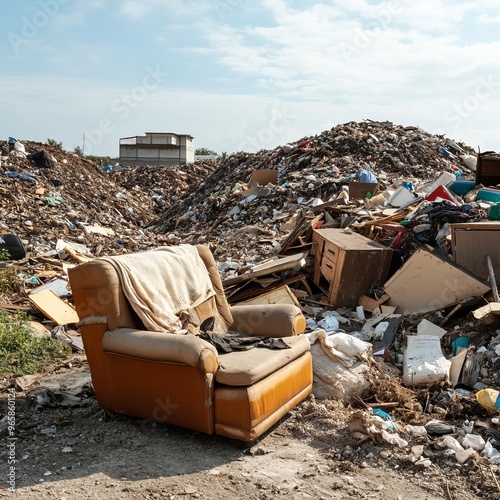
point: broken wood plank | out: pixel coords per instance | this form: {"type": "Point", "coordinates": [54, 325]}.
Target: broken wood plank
{"type": "Point", "coordinates": [290, 262]}
{"type": "Point", "coordinates": [450, 314]}
{"type": "Point", "coordinates": [383, 405]}
{"type": "Point", "coordinates": [493, 280]}
{"type": "Point", "coordinates": [13, 307]}
{"type": "Point", "coordinates": [54, 308]}
{"type": "Point", "coordinates": [315, 302]}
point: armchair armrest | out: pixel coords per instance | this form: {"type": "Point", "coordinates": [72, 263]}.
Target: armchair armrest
{"type": "Point", "coordinates": [270, 320]}
{"type": "Point", "coordinates": [162, 347]}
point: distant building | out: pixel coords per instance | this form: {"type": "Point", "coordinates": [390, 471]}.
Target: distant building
{"type": "Point", "coordinates": [157, 148]}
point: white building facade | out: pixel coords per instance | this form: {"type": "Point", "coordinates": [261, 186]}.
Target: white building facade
{"type": "Point", "coordinates": [157, 148]}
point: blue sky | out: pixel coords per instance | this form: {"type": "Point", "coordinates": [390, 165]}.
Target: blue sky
{"type": "Point", "coordinates": [246, 74]}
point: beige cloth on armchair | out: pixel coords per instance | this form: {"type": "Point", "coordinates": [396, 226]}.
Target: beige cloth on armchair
{"type": "Point", "coordinates": [164, 285]}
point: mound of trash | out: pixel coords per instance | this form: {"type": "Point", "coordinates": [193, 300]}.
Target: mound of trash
{"type": "Point", "coordinates": [47, 193]}
{"type": "Point", "coordinates": [235, 205]}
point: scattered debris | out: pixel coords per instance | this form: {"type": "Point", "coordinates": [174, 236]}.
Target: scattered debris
{"type": "Point", "coordinates": [386, 236]}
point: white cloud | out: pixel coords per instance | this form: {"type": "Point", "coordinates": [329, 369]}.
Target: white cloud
{"type": "Point", "coordinates": [324, 50]}
{"type": "Point", "coordinates": [289, 71]}
{"type": "Point", "coordinates": [232, 121]}
{"type": "Point", "coordinates": [75, 14]}
{"type": "Point", "coordinates": [488, 20]}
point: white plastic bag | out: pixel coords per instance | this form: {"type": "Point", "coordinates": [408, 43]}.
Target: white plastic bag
{"type": "Point", "coordinates": [474, 441]}
{"type": "Point", "coordinates": [423, 361]}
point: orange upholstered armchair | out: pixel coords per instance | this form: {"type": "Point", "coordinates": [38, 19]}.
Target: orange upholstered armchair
{"type": "Point", "coordinates": [181, 379]}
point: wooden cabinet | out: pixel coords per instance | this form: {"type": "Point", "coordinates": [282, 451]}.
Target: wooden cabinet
{"type": "Point", "coordinates": [350, 263]}
{"type": "Point", "coordinates": [472, 242]}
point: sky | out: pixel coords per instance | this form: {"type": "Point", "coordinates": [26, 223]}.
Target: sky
{"type": "Point", "coordinates": [245, 75]}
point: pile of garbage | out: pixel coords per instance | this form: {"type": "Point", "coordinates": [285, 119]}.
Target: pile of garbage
{"type": "Point", "coordinates": [47, 194]}
{"type": "Point", "coordinates": [165, 184]}
{"type": "Point", "coordinates": [308, 171]}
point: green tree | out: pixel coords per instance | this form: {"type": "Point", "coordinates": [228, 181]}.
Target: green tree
{"type": "Point", "coordinates": [205, 152]}
{"type": "Point", "coordinates": [79, 152]}
{"type": "Point", "coordinates": [100, 160]}
{"type": "Point", "coordinates": [54, 143]}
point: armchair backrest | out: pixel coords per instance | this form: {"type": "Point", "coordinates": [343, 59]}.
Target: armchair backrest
{"type": "Point", "coordinates": [97, 292]}
{"type": "Point", "coordinates": [220, 297]}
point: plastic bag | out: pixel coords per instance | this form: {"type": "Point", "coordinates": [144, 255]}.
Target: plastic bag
{"type": "Point", "coordinates": [489, 399]}
{"type": "Point", "coordinates": [366, 176]}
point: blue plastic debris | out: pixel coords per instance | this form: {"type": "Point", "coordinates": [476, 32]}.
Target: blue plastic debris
{"type": "Point", "coordinates": [366, 176]}
{"type": "Point", "coordinates": [10, 174]}
{"type": "Point", "coordinates": [25, 176]}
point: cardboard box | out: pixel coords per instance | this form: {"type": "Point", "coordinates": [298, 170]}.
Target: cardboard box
{"type": "Point", "coordinates": [264, 177]}
{"type": "Point", "coordinates": [358, 190]}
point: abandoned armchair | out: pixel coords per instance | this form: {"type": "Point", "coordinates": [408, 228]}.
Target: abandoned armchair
{"type": "Point", "coordinates": [143, 318]}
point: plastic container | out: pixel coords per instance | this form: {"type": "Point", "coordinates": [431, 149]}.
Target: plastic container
{"type": "Point", "coordinates": [494, 212]}
{"type": "Point", "coordinates": [491, 453]}
{"type": "Point", "coordinates": [461, 455]}
{"type": "Point", "coordinates": [461, 187]}
{"type": "Point", "coordinates": [488, 195]}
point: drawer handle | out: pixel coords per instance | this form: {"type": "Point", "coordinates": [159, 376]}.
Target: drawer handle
{"type": "Point", "coordinates": [331, 251]}
{"type": "Point", "coordinates": [328, 266]}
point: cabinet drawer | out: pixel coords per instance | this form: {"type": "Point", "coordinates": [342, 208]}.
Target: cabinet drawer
{"type": "Point", "coordinates": [327, 268]}
{"type": "Point", "coordinates": [331, 252]}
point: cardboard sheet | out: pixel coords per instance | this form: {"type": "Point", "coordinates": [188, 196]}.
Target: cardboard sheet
{"type": "Point", "coordinates": [427, 282]}
{"type": "Point", "coordinates": [53, 307]}
{"type": "Point", "coordinates": [264, 177]}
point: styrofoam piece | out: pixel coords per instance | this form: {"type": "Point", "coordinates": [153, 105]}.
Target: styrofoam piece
{"type": "Point", "coordinates": [329, 323]}
{"type": "Point", "coordinates": [401, 197]}
{"type": "Point", "coordinates": [423, 361]}
{"type": "Point", "coordinates": [443, 180]}
{"type": "Point", "coordinates": [426, 327]}
{"type": "Point", "coordinates": [360, 312]}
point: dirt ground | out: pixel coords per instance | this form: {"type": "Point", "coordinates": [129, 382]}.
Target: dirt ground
{"type": "Point", "coordinates": [78, 452]}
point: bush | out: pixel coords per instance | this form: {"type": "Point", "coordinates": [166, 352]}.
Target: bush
{"type": "Point", "coordinates": [21, 351]}
{"type": "Point", "coordinates": [54, 143]}
{"type": "Point", "coordinates": [9, 282]}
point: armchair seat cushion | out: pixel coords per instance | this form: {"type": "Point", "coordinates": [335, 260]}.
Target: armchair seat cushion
{"type": "Point", "coordinates": [242, 368]}
{"type": "Point", "coordinates": [161, 347]}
